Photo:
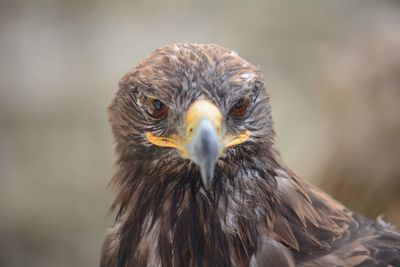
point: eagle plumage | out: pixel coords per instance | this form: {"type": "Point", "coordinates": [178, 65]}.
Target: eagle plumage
{"type": "Point", "coordinates": [199, 180]}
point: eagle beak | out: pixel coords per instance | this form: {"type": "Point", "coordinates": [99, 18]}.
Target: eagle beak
{"type": "Point", "coordinates": [203, 141]}
{"type": "Point", "coordinates": [204, 150]}
{"type": "Point", "coordinates": [203, 133]}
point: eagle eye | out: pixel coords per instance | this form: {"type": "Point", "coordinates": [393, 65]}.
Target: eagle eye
{"type": "Point", "coordinates": [156, 108]}
{"type": "Point", "coordinates": [240, 107]}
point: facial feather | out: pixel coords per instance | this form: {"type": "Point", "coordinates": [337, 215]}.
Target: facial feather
{"type": "Point", "coordinates": [164, 216]}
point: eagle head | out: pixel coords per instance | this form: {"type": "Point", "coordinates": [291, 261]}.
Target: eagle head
{"type": "Point", "coordinates": [193, 107]}
{"type": "Point", "coordinates": [200, 183]}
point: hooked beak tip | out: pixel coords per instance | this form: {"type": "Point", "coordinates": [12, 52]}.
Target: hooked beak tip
{"type": "Point", "coordinates": [207, 175]}
{"type": "Point", "coordinates": [205, 150]}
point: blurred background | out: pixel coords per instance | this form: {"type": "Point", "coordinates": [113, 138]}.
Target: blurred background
{"type": "Point", "coordinates": [332, 68]}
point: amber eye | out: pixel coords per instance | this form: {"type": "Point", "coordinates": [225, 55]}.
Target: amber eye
{"type": "Point", "coordinates": [156, 108]}
{"type": "Point", "coordinates": [240, 107]}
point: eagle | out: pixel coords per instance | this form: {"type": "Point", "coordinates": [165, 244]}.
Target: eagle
{"type": "Point", "coordinates": [199, 180]}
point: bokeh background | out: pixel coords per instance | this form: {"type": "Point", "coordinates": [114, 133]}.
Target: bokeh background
{"type": "Point", "coordinates": [332, 68]}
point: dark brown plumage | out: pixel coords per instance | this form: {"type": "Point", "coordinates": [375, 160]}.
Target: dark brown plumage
{"type": "Point", "coordinates": [200, 183]}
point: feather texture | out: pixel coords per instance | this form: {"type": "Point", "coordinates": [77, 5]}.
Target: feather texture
{"type": "Point", "coordinates": [257, 213]}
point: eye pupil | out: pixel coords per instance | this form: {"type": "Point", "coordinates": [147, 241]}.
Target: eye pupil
{"type": "Point", "coordinates": [239, 103]}
{"type": "Point", "coordinates": [158, 105]}
{"type": "Point", "coordinates": [156, 108]}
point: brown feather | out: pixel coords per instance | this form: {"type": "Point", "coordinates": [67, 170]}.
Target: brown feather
{"type": "Point", "coordinates": [258, 212]}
